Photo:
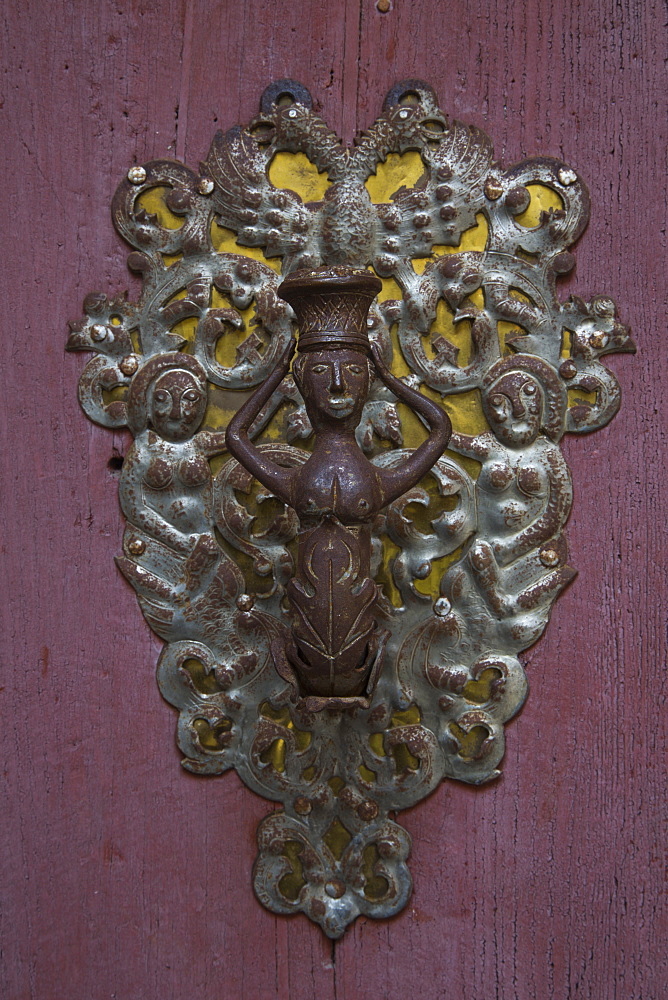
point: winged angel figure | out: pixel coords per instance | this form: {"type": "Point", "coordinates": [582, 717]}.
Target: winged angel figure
{"type": "Point", "coordinates": [211, 556]}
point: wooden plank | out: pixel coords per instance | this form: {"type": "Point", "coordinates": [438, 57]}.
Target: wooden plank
{"type": "Point", "coordinates": [550, 883]}
{"type": "Point", "coordinates": [127, 877]}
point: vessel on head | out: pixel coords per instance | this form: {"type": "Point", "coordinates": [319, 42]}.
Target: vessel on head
{"type": "Point", "coordinates": [331, 305]}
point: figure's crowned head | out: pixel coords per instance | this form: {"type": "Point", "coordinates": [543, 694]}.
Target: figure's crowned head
{"type": "Point", "coordinates": [332, 370]}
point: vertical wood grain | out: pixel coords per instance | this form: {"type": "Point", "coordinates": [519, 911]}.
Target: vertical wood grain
{"type": "Point", "coordinates": [126, 877]}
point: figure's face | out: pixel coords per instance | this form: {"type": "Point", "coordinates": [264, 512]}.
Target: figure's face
{"type": "Point", "coordinates": [177, 405]}
{"type": "Point", "coordinates": [334, 384]}
{"type": "Point", "coordinates": [513, 408]}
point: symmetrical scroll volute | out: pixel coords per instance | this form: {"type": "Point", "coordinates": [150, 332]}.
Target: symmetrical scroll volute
{"type": "Point", "coordinates": [291, 586]}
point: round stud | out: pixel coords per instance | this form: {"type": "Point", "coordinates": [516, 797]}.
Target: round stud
{"type": "Point", "coordinates": [493, 189]}
{"type": "Point", "coordinates": [205, 185]}
{"type": "Point", "coordinates": [136, 175]}
{"type": "Point", "coordinates": [136, 547]}
{"type": "Point", "coordinates": [302, 805]}
{"type": "Point", "coordinates": [567, 177]}
{"type": "Point", "coordinates": [568, 369]}
{"type": "Point", "coordinates": [292, 113]}
{"type": "Point", "coordinates": [129, 364]}
{"type": "Point", "coordinates": [245, 602]}
{"type": "Point", "coordinates": [563, 262]}
{"type": "Point", "coordinates": [367, 810]}
{"type": "Point", "coordinates": [335, 888]}
{"type": "Point", "coordinates": [442, 607]}
{"type": "Point", "coordinates": [549, 557]}
{"type": "Point", "coordinates": [598, 340]}
{"type": "Point", "coordinates": [404, 113]}
{"type": "Point", "coordinates": [517, 200]}
{"type": "Point", "coordinates": [98, 333]}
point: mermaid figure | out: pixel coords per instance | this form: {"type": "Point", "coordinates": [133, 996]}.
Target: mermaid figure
{"type": "Point", "coordinates": [336, 642]}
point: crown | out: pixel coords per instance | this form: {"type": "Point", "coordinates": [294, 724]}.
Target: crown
{"type": "Point", "coordinates": [331, 305]}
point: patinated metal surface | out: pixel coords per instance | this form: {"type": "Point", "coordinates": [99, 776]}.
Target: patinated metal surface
{"type": "Point", "coordinates": [439, 678]}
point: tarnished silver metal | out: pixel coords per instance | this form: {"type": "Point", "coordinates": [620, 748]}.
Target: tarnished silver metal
{"type": "Point", "coordinates": [212, 580]}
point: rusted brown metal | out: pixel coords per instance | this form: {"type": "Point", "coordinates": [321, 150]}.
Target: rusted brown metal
{"type": "Point", "coordinates": [336, 644]}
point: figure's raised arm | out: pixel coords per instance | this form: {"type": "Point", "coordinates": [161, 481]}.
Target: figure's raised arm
{"type": "Point", "coordinates": [273, 476]}
{"type": "Point", "coordinates": [397, 481]}
{"type": "Point", "coordinates": [473, 447]}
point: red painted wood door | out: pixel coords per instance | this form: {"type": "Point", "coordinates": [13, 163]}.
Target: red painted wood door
{"type": "Point", "coordinates": [126, 877]}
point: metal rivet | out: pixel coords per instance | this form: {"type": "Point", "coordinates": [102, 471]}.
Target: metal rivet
{"type": "Point", "coordinates": [567, 176]}
{"type": "Point", "coordinates": [205, 185]}
{"type": "Point", "coordinates": [129, 364]}
{"type": "Point", "coordinates": [245, 602]}
{"type": "Point", "coordinates": [367, 810]}
{"type": "Point", "coordinates": [302, 805]}
{"type": "Point", "coordinates": [292, 113]}
{"type": "Point", "coordinates": [98, 332]}
{"type": "Point", "coordinates": [568, 369]}
{"type": "Point", "coordinates": [493, 188]}
{"type": "Point", "coordinates": [404, 114]}
{"type": "Point", "coordinates": [549, 557]}
{"type": "Point", "coordinates": [598, 340]}
{"type": "Point", "coordinates": [136, 546]}
{"type": "Point", "coordinates": [136, 175]}
{"type": "Point", "coordinates": [442, 607]}
{"type": "Point", "coordinates": [335, 888]}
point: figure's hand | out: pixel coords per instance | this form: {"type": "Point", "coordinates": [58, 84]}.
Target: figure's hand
{"type": "Point", "coordinates": [383, 371]}
{"type": "Point", "coordinates": [287, 356]}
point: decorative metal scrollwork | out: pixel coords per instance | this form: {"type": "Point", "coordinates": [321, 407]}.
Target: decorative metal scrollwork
{"type": "Point", "coordinates": [291, 584]}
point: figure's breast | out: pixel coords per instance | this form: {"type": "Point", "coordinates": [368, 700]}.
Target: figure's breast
{"type": "Point", "coordinates": [348, 489]}
{"type": "Point", "coordinates": [177, 486]}
{"type": "Point", "coordinates": [190, 472]}
{"type": "Point", "coordinates": [515, 494]}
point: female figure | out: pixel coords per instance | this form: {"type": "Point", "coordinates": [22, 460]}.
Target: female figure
{"type": "Point", "coordinates": [165, 488]}
{"type": "Point", "coordinates": [524, 487]}
{"type": "Point", "coordinates": [337, 492]}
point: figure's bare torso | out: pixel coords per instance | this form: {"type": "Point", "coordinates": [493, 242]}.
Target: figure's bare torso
{"type": "Point", "coordinates": [339, 480]}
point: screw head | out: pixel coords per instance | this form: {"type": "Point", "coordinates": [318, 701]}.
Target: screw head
{"type": "Point", "coordinates": [567, 176]}
{"type": "Point", "coordinates": [136, 546]}
{"type": "Point", "coordinates": [205, 185]}
{"type": "Point", "coordinates": [129, 364]}
{"type": "Point", "coordinates": [98, 333]}
{"type": "Point", "coordinates": [136, 175]}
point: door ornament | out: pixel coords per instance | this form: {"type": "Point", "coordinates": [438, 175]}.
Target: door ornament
{"type": "Point", "coordinates": [290, 502]}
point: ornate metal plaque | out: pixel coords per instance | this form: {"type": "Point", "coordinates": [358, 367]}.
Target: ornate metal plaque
{"type": "Point", "coordinates": [343, 565]}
